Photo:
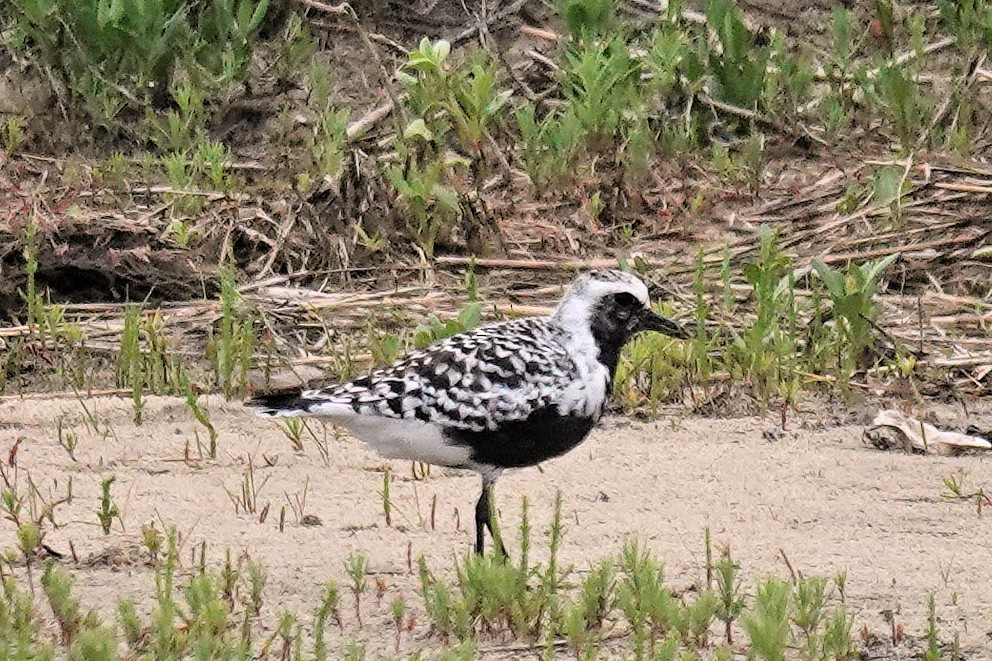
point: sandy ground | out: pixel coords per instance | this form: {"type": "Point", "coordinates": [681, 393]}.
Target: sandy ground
{"type": "Point", "coordinates": [816, 494]}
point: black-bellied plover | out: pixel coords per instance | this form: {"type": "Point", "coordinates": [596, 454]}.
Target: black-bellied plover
{"type": "Point", "coordinates": [505, 395]}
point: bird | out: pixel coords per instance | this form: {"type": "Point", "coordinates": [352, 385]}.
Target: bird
{"type": "Point", "coordinates": [501, 396]}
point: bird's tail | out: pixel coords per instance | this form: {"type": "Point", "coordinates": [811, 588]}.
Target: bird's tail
{"type": "Point", "coordinates": [280, 404]}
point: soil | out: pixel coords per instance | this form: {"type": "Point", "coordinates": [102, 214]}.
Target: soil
{"type": "Point", "coordinates": [814, 497]}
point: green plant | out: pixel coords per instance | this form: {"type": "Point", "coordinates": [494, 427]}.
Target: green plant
{"type": "Point", "coordinates": [854, 309]}
{"type": "Point", "coordinates": [293, 429]}
{"type": "Point", "coordinates": [765, 351]}
{"type": "Point", "coordinates": [601, 83]}
{"type": "Point", "coordinates": [398, 610]}
{"type": "Point", "coordinates": [549, 147]}
{"type": "Point", "coordinates": [108, 508]}
{"type": "Point", "coordinates": [476, 103]}
{"type": "Point", "coordinates": [66, 608]}
{"type": "Point", "coordinates": [68, 438]}
{"type": "Point", "coordinates": [327, 142]}
{"type": "Point", "coordinates": [201, 416]}
{"type": "Point", "coordinates": [12, 134]}
{"type": "Point", "coordinates": [932, 652]}
{"type": "Point", "coordinates": [178, 129]}
{"type": "Point", "coordinates": [233, 343]}
{"type": "Point", "coordinates": [385, 347]}
{"type": "Point", "coordinates": [328, 609]}
{"type": "Point", "coordinates": [789, 80]}
{"type": "Point", "coordinates": [968, 21]}
{"type": "Point", "coordinates": [767, 623]}
{"type": "Point", "coordinates": [357, 566]}
{"type": "Point", "coordinates": [587, 18]}
{"type": "Point", "coordinates": [431, 203]}
{"type": "Point", "coordinates": [728, 589]}
{"type": "Point", "coordinates": [809, 610]}
{"type": "Point", "coordinates": [954, 489]}
{"type": "Point", "coordinates": [903, 103]}
{"type": "Point", "coordinates": [646, 603]}
{"type": "Point", "coordinates": [296, 47]}
{"type": "Point", "coordinates": [739, 66]}
{"type": "Point", "coordinates": [386, 502]}
{"type": "Point", "coordinates": [112, 55]}
{"type": "Point", "coordinates": [434, 329]}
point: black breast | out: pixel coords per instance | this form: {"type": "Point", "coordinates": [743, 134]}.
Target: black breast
{"type": "Point", "coordinates": [543, 435]}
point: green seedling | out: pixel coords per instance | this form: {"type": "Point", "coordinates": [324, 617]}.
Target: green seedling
{"type": "Point", "coordinates": [131, 625]}
{"type": "Point", "coordinates": [739, 66]}
{"type": "Point", "coordinates": [66, 608]}
{"type": "Point", "coordinates": [587, 18]}
{"type": "Point", "coordinates": [728, 589]}
{"type": "Point", "coordinates": [201, 416]}
{"type": "Point", "coordinates": [357, 568]}
{"type": "Point", "coordinates": [767, 622]}
{"type": "Point", "coordinates": [293, 429]}
{"type": "Point", "coordinates": [246, 500]}
{"type": "Point", "coordinates": [954, 489]}
{"type": "Point", "coordinates": [434, 329]}
{"type": "Point", "coordinates": [29, 536]}
{"type": "Point", "coordinates": [549, 147]}
{"type": "Point", "coordinates": [296, 48]}
{"type": "Point", "coordinates": [68, 438]}
{"type": "Point", "coordinates": [904, 104]}
{"type": "Point", "coordinates": [108, 508]}
{"type": "Point", "coordinates": [232, 346]}
{"type": "Point", "coordinates": [423, 193]}
{"type": "Point", "coordinates": [968, 21]}
{"type": "Point", "coordinates": [385, 347]}
{"type": "Point", "coordinates": [152, 538]}
{"type": "Point", "coordinates": [328, 609]}
{"type": "Point", "coordinates": [932, 651]}
{"type": "Point", "coordinates": [12, 134]}
{"type": "Point", "coordinates": [854, 308]}
{"type": "Point", "coordinates": [809, 609]}
{"type": "Point", "coordinates": [327, 143]}
{"type": "Point", "coordinates": [601, 84]}
{"type": "Point", "coordinates": [298, 503]}
{"type": "Point", "coordinates": [257, 578]}
{"type": "Point", "coordinates": [398, 610]}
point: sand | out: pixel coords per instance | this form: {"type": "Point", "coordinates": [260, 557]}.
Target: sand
{"type": "Point", "coordinates": [815, 495]}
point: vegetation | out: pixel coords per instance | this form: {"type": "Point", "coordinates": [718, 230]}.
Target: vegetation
{"type": "Point", "coordinates": [149, 90]}
{"type": "Point", "coordinates": [200, 612]}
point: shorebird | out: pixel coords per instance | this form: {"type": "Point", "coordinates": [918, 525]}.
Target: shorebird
{"type": "Point", "coordinates": [505, 395]}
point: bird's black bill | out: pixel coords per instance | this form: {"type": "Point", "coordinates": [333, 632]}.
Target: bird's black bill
{"type": "Point", "coordinates": [650, 321]}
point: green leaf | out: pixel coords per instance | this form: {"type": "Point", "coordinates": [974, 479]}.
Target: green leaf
{"type": "Point", "coordinates": [418, 128]}
{"type": "Point", "coordinates": [446, 197]}
{"type": "Point", "coordinates": [832, 279]}
{"type": "Point", "coordinates": [470, 316]}
{"type": "Point", "coordinates": [440, 51]}
{"type": "Point", "coordinates": [888, 184]}
{"type": "Point", "coordinates": [873, 270]}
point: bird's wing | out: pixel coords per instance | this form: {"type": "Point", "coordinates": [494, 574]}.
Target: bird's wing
{"type": "Point", "coordinates": [472, 381]}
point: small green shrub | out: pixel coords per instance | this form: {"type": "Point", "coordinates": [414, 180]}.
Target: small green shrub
{"type": "Point", "coordinates": [109, 55]}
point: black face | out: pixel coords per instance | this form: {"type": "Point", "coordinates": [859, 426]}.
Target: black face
{"type": "Point", "coordinates": [618, 317]}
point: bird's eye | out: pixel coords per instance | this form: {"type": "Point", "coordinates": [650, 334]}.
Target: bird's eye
{"type": "Point", "coordinates": [626, 299]}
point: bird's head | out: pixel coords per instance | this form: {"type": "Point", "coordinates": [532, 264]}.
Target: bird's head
{"type": "Point", "coordinates": [613, 306]}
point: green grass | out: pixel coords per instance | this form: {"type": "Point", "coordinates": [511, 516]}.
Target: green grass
{"type": "Point", "coordinates": [621, 606]}
{"type": "Point", "coordinates": [155, 74]}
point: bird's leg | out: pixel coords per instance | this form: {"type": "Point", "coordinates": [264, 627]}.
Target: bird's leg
{"type": "Point", "coordinates": [485, 519]}
{"type": "Point", "coordinates": [481, 520]}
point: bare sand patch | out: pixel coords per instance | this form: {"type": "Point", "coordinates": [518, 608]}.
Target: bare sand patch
{"type": "Point", "coordinates": [816, 495]}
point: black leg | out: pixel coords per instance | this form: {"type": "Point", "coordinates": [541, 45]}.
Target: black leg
{"type": "Point", "coordinates": [484, 513]}
{"type": "Point", "coordinates": [482, 520]}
